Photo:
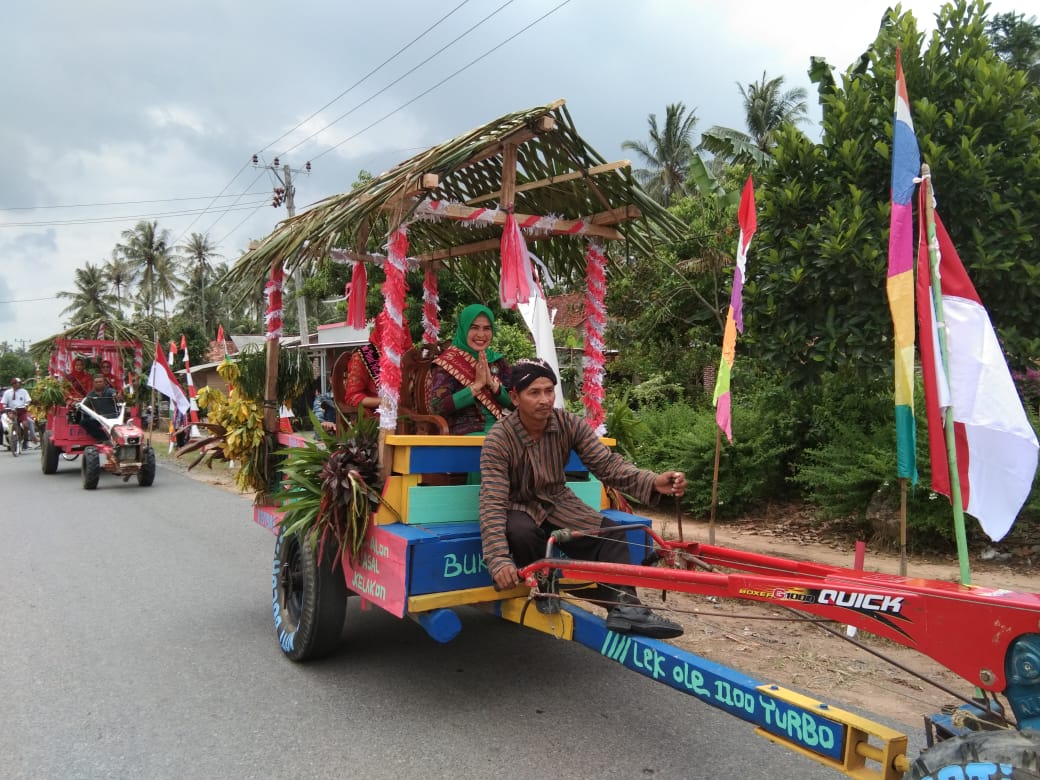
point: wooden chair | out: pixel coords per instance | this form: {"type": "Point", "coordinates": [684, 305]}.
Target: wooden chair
{"type": "Point", "coordinates": [413, 408]}
{"type": "Point", "coordinates": [414, 414]}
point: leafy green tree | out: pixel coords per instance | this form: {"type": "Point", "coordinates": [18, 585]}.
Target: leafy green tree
{"type": "Point", "coordinates": [767, 108]}
{"type": "Point", "coordinates": [1016, 40]}
{"type": "Point", "coordinates": [815, 299]}
{"type": "Point", "coordinates": [90, 299]}
{"type": "Point", "coordinates": [667, 155]}
{"type": "Point", "coordinates": [16, 364]}
{"type": "Point", "coordinates": [670, 309]}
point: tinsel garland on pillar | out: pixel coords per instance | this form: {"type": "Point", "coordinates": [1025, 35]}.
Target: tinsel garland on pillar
{"type": "Point", "coordinates": [595, 323]}
{"type": "Point", "coordinates": [397, 332]}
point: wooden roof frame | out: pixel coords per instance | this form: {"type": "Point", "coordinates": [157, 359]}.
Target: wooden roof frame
{"type": "Point", "coordinates": [533, 161]}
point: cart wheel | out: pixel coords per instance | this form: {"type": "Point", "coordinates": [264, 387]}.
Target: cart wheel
{"type": "Point", "coordinates": [146, 476]}
{"type": "Point", "coordinates": [1003, 755]}
{"type": "Point", "coordinates": [309, 599]}
{"type": "Point", "coordinates": [48, 454]}
{"type": "Point", "coordinates": [91, 467]}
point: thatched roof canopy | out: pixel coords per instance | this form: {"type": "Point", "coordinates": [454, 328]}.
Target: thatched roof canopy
{"type": "Point", "coordinates": [113, 330]}
{"type": "Point", "coordinates": [556, 174]}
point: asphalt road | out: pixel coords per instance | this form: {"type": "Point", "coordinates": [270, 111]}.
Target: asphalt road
{"type": "Point", "coordinates": [138, 643]}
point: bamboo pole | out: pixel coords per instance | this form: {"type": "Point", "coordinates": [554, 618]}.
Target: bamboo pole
{"type": "Point", "coordinates": [902, 526]}
{"type": "Point", "coordinates": [715, 485]}
{"type": "Point", "coordinates": [944, 351]}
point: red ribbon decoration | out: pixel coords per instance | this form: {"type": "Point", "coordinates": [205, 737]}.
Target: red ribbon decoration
{"type": "Point", "coordinates": [515, 286]}
{"type": "Point", "coordinates": [357, 301]}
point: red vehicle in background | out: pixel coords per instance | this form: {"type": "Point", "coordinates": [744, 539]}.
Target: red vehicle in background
{"type": "Point", "coordinates": [124, 451]}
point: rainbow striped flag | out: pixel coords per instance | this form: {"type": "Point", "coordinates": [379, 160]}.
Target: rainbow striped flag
{"type": "Point", "coordinates": [906, 166]}
{"type": "Point", "coordinates": [735, 317]}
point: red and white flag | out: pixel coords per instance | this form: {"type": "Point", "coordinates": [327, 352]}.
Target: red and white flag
{"type": "Point", "coordinates": [996, 445]}
{"type": "Point", "coordinates": [163, 380]}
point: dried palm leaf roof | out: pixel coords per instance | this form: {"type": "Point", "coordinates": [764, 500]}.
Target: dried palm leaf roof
{"type": "Point", "coordinates": [114, 330]}
{"type": "Point", "coordinates": [557, 174]}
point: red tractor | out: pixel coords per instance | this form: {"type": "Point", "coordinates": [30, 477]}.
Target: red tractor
{"type": "Point", "coordinates": [120, 448]}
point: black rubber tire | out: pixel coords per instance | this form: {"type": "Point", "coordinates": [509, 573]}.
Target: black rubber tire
{"type": "Point", "coordinates": [1019, 750]}
{"type": "Point", "coordinates": [48, 454]}
{"type": "Point", "coordinates": [15, 438]}
{"type": "Point", "coordinates": [309, 601]}
{"type": "Point", "coordinates": [91, 467]}
{"type": "Point", "coordinates": [146, 476]}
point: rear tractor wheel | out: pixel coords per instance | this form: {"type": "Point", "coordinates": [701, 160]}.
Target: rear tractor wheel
{"type": "Point", "coordinates": [994, 755]}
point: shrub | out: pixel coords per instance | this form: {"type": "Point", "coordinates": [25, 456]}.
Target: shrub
{"type": "Point", "coordinates": [753, 469]}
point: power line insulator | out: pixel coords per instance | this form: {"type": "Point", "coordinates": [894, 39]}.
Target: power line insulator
{"type": "Point", "coordinates": [307, 167]}
{"type": "Point", "coordinates": [275, 162]}
{"type": "Point", "coordinates": [256, 160]}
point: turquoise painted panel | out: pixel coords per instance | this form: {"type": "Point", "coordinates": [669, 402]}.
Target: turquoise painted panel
{"type": "Point", "coordinates": [436, 504]}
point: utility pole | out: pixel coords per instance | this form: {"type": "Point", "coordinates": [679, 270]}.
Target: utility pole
{"type": "Point", "coordinates": [286, 194]}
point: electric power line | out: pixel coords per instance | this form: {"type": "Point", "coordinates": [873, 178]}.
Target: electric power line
{"type": "Point", "coordinates": [120, 202]}
{"type": "Point", "coordinates": [407, 73]}
{"type": "Point", "coordinates": [241, 223]}
{"type": "Point", "coordinates": [465, 67]}
{"type": "Point", "coordinates": [225, 211]}
{"type": "Point", "coordinates": [360, 81]}
{"type": "Point", "coordinates": [124, 218]}
{"type": "Point", "coordinates": [31, 300]}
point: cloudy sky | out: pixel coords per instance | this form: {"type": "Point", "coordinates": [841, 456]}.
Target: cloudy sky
{"type": "Point", "coordinates": [117, 111]}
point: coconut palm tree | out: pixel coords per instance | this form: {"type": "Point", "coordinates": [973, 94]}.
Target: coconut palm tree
{"type": "Point", "coordinates": [667, 155]}
{"type": "Point", "coordinates": [146, 247]}
{"type": "Point", "coordinates": [197, 255]}
{"type": "Point", "coordinates": [767, 108]}
{"type": "Point", "coordinates": [119, 273]}
{"type": "Point", "coordinates": [91, 299]}
{"type": "Point", "coordinates": [167, 281]}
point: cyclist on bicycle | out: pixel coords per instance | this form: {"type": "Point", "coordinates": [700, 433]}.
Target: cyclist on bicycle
{"type": "Point", "coordinates": [17, 398]}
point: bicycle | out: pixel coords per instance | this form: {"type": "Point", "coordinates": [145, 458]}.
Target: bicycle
{"type": "Point", "coordinates": [16, 434]}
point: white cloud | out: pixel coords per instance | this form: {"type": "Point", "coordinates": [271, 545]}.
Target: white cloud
{"type": "Point", "coordinates": [177, 117]}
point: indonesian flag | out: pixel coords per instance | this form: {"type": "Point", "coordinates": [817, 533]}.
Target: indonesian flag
{"type": "Point", "coordinates": [162, 379]}
{"type": "Point", "coordinates": [996, 445]}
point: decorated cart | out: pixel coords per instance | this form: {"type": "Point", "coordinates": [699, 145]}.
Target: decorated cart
{"type": "Point", "coordinates": [527, 186]}
{"type": "Point", "coordinates": [123, 450]}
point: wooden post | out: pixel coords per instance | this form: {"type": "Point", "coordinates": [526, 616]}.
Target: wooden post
{"type": "Point", "coordinates": [508, 176]}
{"type": "Point", "coordinates": [715, 485]}
{"type": "Point", "coordinates": [902, 526]}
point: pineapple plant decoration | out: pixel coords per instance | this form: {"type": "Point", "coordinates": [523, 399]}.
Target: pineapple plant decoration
{"type": "Point", "coordinates": [332, 487]}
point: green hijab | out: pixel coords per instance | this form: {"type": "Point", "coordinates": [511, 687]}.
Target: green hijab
{"type": "Point", "coordinates": [466, 318]}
